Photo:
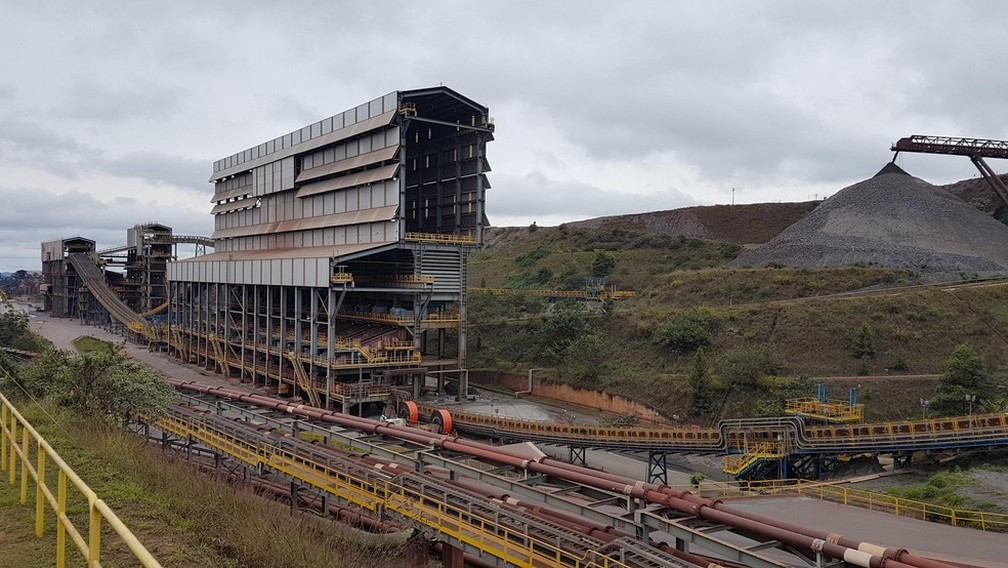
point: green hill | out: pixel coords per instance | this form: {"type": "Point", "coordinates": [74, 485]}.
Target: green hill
{"type": "Point", "coordinates": [768, 334]}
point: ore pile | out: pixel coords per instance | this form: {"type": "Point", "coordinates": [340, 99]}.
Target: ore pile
{"type": "Point", "coordinates": [891, 220]}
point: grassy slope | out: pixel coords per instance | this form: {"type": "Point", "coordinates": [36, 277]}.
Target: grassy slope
{"type": "Point", "coordinates": [791, 309]}
{"type": "Point", "coordinates": [184, 518]}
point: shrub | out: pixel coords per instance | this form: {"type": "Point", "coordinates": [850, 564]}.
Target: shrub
{"type": "Point", "coordinates": [586, 358]}
{"type": "Point", "coordinates": [745, 365]}
{"type": "Point", "coordinates": [684, 332]}
{"type": "Point", "coordinates": [528, 259]}
{"type": "Point", "coordinates": [102, 383]}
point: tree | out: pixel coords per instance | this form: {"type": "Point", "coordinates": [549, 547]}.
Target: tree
{"type": "Point", "coordinates": [862, 342]}
{"type": "Point", "coordinates": [701, 384]}
{"type": "Point", "coordinates": [966, 374]}
{"type": "Point", "coordinates": [603, 264]}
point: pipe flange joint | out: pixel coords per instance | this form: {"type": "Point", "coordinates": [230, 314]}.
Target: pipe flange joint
{"type": "Point", "coordinates": [833, 538]}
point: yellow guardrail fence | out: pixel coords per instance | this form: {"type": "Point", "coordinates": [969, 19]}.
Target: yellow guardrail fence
{"type": "Point", "coordinates": [500, 541]}
{"type": "Point", "coordinates": [12, 423]}
{"type": "Point", "coordinates": [902, 507]}
{"type": "Point", "coordinates": [441, 238]}
{"type": "Point", "coordinates": [847, 495]}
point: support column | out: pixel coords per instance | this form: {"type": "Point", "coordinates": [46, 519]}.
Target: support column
{"type": "Point", "coordinates": [451, 557]}
{"type": "Point", "coordinates": [657, 468]}
{"type": "Point", "coordinates": [576, 455]}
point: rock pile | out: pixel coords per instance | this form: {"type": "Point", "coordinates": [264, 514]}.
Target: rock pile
{"type": "Point", "coordinates": [891, 220]}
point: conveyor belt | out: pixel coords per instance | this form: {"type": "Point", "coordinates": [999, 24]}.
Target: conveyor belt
{"type": "Point", "coordinates": [95, 280]}
{"type": "Point", "coordinates": [979, 430]}
{"type": "Point", "coordinates": [466, 519]}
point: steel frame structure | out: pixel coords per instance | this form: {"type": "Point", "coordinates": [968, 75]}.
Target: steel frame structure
{"type": "Point", "coordinates": [340, 256]}
{"type": "Point", "coordinates": [976, 149]}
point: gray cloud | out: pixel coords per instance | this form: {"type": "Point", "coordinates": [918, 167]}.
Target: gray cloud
{"type": "Point", "coordinates": [775, 94]}
{"type": "Point", "coordinates": [31, 217]}
{"type": "Point", "coordinates": [537, 195]}
{"type": "Point", "coordinates": [163, 169]}
{"type": "Point", "coordinates": [92, 100]}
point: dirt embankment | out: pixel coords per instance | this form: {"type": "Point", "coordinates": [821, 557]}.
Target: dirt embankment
{"type": "Point", "coordinates": [590, 399]}
{"type": "Point", "coordinates": [741, 224]}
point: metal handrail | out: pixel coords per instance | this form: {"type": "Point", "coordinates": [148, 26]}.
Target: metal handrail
{"type": "Point", "coordinates": [441, 238]}
{"type": "Point", "coordinates": [10, 453]}
{"type": "Point", "coordinates": [385, 494]}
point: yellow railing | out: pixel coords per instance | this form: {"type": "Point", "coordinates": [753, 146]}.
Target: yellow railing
{"type": "Point", "coordinates": [601, 294]}
{"type": "Point", "coordinates": [902, 507]}
{"type": "Point", "coordinates": [432, 318]}
{"type": "Point", "coordinates": [737, 463]}
{"type": "Point", "coordinates": [11, 453]}
{"type": "Point", "coordinates": [830, 411]}
{"type": "Point", "coordinates": [441, 238]}
{"type": "Point", "coordinates": [847, 495]}
{"type": "Point", "coordinates": [378, 494]}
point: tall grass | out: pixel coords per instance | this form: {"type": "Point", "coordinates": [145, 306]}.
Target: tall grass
{"type": "Point", "coordinates": [183, 517]}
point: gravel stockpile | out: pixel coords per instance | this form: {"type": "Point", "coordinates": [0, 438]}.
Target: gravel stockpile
{"type": "Point", "coordinates": [891, 220]}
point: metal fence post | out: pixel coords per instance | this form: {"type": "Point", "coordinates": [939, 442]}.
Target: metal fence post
{"type": "Point", "coordinates": [12, 477]}
{"type": "Point", "coordinates": [3, 438]}
{"type": "Point", "coordinates": [94, 532]}
{"type": "Point", "coordinates": [60, 515]}
{"type": "Point", "coordinates": [24, 465]}
{"type": "Point", "coordinates": [39, 494]}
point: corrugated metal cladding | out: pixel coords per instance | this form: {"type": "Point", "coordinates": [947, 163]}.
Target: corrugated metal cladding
{"type": "Point", "coordinates": [310, 172]}
{"type": "Point", "coordinates": [274, 272]}
{"type": "Point", "coordinates": [383, 173]}
{"type": "Point", "coordinates": [376, 233]}
{"type": "Point", "coordinates": [255, 156]}
{"type": "Point", "coordinates": [444, 266]}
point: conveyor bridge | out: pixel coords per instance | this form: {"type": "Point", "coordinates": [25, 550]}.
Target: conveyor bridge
{"type": "Point", "coordinates": [976, 149]}
{"type": "Point", "coordinates": [464, 520]}
{"type": "Point", "coordinates": [755, 440]}
{"type": "Point", "coordinates": [94, 280]}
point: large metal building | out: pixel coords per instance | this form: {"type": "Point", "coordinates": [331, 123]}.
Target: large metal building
{"type": "Point", "coordinates": [339, 269]}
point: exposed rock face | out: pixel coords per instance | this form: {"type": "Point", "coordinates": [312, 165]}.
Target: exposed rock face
{"type": "Point", "coordinates": [891, 220]}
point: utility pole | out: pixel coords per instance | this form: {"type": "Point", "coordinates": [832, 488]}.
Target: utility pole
{"type": "Point", "coordinates": [733, 195]}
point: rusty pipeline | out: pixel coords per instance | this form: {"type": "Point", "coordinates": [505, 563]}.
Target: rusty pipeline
{"type": "Point", "coordinates": [854, 552]}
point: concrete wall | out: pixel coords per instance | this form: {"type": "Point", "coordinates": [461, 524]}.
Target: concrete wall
{"type": "Point", "coordinates": [565, 393]}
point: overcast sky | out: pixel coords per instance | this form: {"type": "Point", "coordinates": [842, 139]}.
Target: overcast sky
{"type": "Point", "coordinates": [111, 113]}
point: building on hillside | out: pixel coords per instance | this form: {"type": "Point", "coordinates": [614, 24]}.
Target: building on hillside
{"type": "Point", "coordinates": [339, 270]}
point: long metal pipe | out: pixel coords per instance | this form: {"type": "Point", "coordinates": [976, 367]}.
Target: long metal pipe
{"type": "Point", "coordinates": [898, 554]}
{"type": "Point", "coordinates": [866, 555]}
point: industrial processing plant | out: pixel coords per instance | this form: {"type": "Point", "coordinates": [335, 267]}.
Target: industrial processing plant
{"type": "Point", "coordinates": [339, 265]}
